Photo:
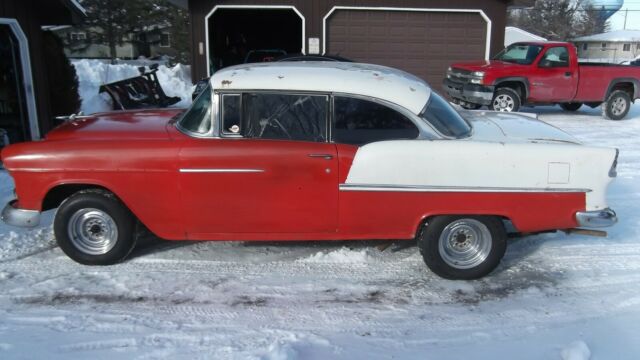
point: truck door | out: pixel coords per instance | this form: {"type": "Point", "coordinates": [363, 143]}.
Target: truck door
{"type": "Point", "coordinates": [554, 80]}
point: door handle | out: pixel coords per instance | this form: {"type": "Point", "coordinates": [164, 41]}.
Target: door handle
{"type": "Point", "coordinates": [321, 156]}
{"type": "Point", "coordinates": [568, 74]}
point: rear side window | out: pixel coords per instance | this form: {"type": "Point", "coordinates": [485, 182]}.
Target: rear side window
{"type": "Point", "coordinates": [359, 122]}
{"type": "Point", "coordinates": [198, 118]}
{"type": "Point", "coordinates": [285, 117]}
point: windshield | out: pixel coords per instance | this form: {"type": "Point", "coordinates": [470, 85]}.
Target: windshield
{"type": "Point", "coordinates": [198, 118]}
{"type": "Point", "coordinates": [444, 118]}
{"type": "Point", "coordinates": [519, 54]}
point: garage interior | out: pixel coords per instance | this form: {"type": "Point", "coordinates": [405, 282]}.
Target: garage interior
{"type": "Point", "coordinates": [14, 122]}
{"type": "Point", "coordinates": [234, 33]}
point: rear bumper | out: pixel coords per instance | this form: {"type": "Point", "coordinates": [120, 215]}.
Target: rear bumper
{"type": "Point", "coordinates": [470, 93]}
{"type": "Point", "coordinates": [14, 216]}
{"type": "Point", "coordinates": [597, 218]}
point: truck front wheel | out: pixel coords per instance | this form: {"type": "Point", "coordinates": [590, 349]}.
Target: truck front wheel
{"type": "Point", "coordinates": [506, 100]}
{"type": "Point", "coordinates": [617, 105]}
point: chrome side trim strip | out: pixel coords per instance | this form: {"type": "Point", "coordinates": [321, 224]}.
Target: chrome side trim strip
{"type": "Point", "coordinates": [435, 188]}
{"type": "Point", "coordinates": [221, 170]}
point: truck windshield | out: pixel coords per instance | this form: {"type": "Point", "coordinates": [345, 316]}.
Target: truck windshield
{"type": "Point", "coordinates": [523, 54]}
{"type": "Point", "coordinates": [444, 118]}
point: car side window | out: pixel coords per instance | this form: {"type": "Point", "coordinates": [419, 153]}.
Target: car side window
{"type": "Point", "coordinates": [284, 116]}
{"type": "Point", "coordinates": [555, 57]}
{"type": "Point", "coordinates": [359, 122]}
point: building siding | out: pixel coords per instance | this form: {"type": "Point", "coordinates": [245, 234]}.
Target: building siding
{"type": "Point", "coordinates": [315, 10]}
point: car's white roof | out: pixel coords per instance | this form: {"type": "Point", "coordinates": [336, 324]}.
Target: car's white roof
{"type": "Point", "coordinates": [376, 81]}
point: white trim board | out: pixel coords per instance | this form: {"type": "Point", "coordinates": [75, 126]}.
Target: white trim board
{"type": "Point", "coordinates": [487, 53]}
{"type": "Point", "coordinates": [249, 7]}
{"type": "Point", "coordinates": [27, 77]}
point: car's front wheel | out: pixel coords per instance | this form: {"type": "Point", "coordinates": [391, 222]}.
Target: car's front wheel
{"type": "Point", "coordinates": [94, 228]}
{"type": "Point", "coordinates": [463, 247]}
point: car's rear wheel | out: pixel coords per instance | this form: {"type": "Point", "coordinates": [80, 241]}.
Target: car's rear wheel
{"type": "Point", "coordinates": [571, 106]}
{"type": "Point", "coordinates": [617, 105]}
{"type": "Point", "coordinates": [506, 100]}
{"type": "Point", "coordinates": [94, 228]}
{"type": "Point", "coordinates": [463, 247]}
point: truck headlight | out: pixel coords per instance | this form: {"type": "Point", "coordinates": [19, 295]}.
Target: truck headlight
{"type": "Point", "coordinates": [477, 77]}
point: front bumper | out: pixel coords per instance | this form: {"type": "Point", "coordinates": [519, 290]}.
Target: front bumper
{"type": "Point", "coordinates": [14, 216]}
{"type": "Point", "coordinates": [469, 93]}
{"type": "Point", "coordinates": [597, 218]}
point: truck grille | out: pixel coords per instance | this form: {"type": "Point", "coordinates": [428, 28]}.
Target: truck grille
{"type": "Point", "coordinates": [460, 76]}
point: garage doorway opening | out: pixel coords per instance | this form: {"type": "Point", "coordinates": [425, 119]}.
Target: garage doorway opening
{"type": "Point", "coordinates": [236, 35]}
{"type": "Point", "coordinates": [14, 117]}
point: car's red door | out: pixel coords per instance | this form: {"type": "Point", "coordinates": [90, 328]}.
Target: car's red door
{"type": "Point", "coordinates": [554, 79]}
{"type": "Point", "coordinates": [258, 186]}
{"type": "Point", "coordinates": [271, 171]}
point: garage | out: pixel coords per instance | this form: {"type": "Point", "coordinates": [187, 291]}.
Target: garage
{"type": "Point", "coordinates": [239, 34]}
{"type": "Point", "coordinates": [421, 41]}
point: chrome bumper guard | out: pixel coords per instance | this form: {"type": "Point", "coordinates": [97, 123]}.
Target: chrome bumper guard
{"type": "Point", "coordinates": [20, 217]}
{"type": "Point", "coordinates": [597, 218]}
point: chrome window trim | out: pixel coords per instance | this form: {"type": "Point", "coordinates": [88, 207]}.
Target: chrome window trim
{"type": "Point", "coordinates": [438, 188]}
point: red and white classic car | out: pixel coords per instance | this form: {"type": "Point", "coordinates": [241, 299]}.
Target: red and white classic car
{"type": "Point", "coordinates": [311, 151]}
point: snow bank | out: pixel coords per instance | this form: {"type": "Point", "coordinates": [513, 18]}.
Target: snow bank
{"type": "Point", "coordinates": [175, 81]}
{"type": "Point", "coordinates": [343, 255]}
{"type": "Point", "coordinates": [577, 350]}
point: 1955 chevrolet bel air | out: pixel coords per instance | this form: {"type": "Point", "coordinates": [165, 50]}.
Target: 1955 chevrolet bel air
{"type": "Point", "coordinates": [311, 151]}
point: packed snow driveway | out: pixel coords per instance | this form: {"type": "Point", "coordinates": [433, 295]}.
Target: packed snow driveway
{"type": "Point", "coordinates": [553, 297]}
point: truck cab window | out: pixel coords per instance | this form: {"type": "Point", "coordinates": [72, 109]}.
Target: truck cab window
{"type": "Point", "coordinates": [555, 57]}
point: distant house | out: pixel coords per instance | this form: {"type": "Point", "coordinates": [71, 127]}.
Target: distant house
{"type": "Point", "coordinates": [514, 35]}
{"type": "Point", "coordinates": [88, 42]}
{"type": "Point", "coordinates": [615, 46]}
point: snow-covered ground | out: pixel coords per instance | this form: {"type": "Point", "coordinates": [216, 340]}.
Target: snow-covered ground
{"type": "Point", "coordinates": [175, 81]}
{"type": "Point", "coordinates": [553, 297]}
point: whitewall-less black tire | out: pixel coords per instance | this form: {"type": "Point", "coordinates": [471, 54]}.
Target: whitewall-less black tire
{"type": "Point", "coordinates": [463, 247]}
{"type": "Point", "coordinates": [94, 228]}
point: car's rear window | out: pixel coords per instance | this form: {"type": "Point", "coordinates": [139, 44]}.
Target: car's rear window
{"type": "Point", "coordinates": [444, 118]}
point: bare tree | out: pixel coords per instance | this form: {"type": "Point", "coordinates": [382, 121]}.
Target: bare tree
{"type": "Point", "coordinates": [559, 19]}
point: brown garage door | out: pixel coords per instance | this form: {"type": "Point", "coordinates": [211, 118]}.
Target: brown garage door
{"type": "Point", "coordinates": [422, 43]}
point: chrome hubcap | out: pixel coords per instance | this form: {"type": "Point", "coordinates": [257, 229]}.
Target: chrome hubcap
{"type": "Point", "coordinates": [92, 231]}
{"type": "Point", "coordinates": [618, 106]}
{"type": "Point", "coordinates": [503, 103]}
{"type": "Point", "coordinates": [465, 243]}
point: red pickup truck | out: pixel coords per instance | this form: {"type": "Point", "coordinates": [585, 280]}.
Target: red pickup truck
{"type": "Point", "coordinates": [542, 73]}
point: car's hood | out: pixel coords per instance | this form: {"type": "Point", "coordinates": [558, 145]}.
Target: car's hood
{"type": "Point", "coordinates": [484, 65]}
{"type": "Point", "coordinates": [507, 127]}
{"type": "Point", "coordinates": [140, 124]}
